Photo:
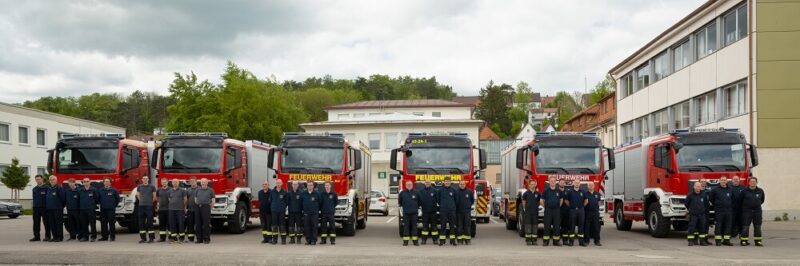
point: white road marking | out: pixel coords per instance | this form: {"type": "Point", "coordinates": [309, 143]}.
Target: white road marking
{"type": "Point", "coordinates": [391, 219]}
{"type": "Point", "coordinates": [653, 257]}
{"type": "Point", "coordinates": [494, 221]}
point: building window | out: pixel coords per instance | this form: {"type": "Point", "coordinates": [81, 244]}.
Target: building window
{"type": "Point", "coordinates": [735, 99]}
{"type": "Point", "coordinates": [660, 66]}
{"type": "Point", "coordinates": [626, 85]}
{"type": "Point", "coordinates": [735, 25]}
{"type": "Point", "coordinates": [681, 55]}
{"type": "Point", "coordinates": [391, 140]}
{"type": "Point", "coordinates": [706, 108]}
{"type": "Point", "coordinates": [680, 115]}
{"type": "Point", "coordinates": [436, 114]}
{"type": "Point", "coordinates": [627, 132]}
{"type": "Point", "coordinates": [23, 135]}
{"type": "Point", "coordinates": [660, 122]}
{"type": "Point", "coordinates": [418, 113]}
{"type": "Point", "coordinates": [643, 76]}
{"type": "Point", "coordinates": [374, 141]}
{"type": "Point", "coordinates": [40, 170]}
{"type": "Point", "coordinates": [706, 39]}
{"type": "Point", "coordinates": [357, 115]}
{"type": "Point", "coordinates": [5, 132]}
{"type": "Point", "coordinates": [642, 127]}
{"type": "Point", "coordinates": [41, 137]}
{"type": "Point", "coordinates": [342, 116]}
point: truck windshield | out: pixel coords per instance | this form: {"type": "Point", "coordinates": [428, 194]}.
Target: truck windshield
{"type": "Point", "coordinates": [568, 160]}
{"type": "Point", "coordinates": [439, 160]}
{"type": "Point", "coordinates": [192, 160]}
{"type": "Point", "coordinates": [87, 160]}
{"type": "Point", "coordinates": [711, 157]}
{"type": "Point", "coordinates": [312, 160]}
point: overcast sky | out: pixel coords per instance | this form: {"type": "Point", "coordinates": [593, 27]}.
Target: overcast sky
{"type": "Point", "coordinates": [70, 48]}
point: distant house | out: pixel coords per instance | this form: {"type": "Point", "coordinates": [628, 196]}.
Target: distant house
{"type": "Point", "coordinates": [599, 118]}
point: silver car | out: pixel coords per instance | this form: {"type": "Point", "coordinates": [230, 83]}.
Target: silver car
{"type": "Point", "coordinates": [10, 209]}
{"type": "Point", "coordinates": [378, 203]}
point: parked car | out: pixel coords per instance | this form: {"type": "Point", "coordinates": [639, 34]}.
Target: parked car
{"type": "Point", "coordinates": [378, 203]}
{"type": "Point", "coordinates": [496, 198]}
{"type": "Point", "coordinates": [10, 209]}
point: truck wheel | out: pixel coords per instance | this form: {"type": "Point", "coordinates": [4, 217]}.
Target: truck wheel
{"type": "Point", "coordinates": [349, 226]}
{"type": "Point", "coordinates": [473, 226]}
{"type": "Point", "coordinates": [509, 225]}
{"type": "Point", "coordinates": [217, 224]}
{"type": "Point", "coordinates": [520, 225]}
{"type": "Point", "coordinates": [680, 225]}
{"type": "Point", "coordinates": [619, 219]}
{"type": "Point", "coordinates": [133, 221]}
{"type": "Point", "coordinates": [237, 223]}
{"type": "Point", "coordinates": [656, 223]}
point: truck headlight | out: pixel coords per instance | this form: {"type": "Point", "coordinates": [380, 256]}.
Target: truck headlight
{"type": "Point", "coordinates": [677, 201]}
{"type": "Point", "coordinates": [222, 200]}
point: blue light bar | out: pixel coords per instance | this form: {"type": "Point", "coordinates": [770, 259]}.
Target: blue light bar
{"type": "Point", "coordinates": [197, 134]}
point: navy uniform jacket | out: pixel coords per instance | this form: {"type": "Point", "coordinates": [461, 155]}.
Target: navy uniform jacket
{"type": "Point", "coordinates": [564, 195]}
{"type": "Point", "coordinates": [752, 199]}
{"type": "Point", "coordinates": [72, 199]}
{"type": "Point", "coordinates": [409, 200]}
{"type": "Point", "coordinates": [311, 202]}
{"type": "Point", "coordinates": [109, 198]}
{"type": "Point", "coordinates": [576, 198]}
{"type": "Point", "coordinates": [697, 203]}
{"type": "Point", "coordinates": [55, 198]}
{"type": "Point", "coordinates": [552, 198]}
{"type": "Point", "coordinates": [736, 193]}
{"type": "Point", "coordinates": [593, 201]}
{"type": "Point", "coordinates": [428, 199]}
{"type": "Point", "coordinates": [531, 198]}
{"type": "Point", "coordinates": [40, 196]}
{"type": "Point", "coordinates": [88, 198]}
{"type": "Point", "coordinates": [278, 201]}
{"type": "Point", "coordinates": [296, 201]}
{"type": "Point", "coordinates": [329, 200]}
{"type": "Point", "coordinates": [722, 199]}
{"type": "Point", "coordinates": [263, 201]}
{"type": "Point", "coordinates": [465, 200]}
{"type": "Point", "coordinates": [447, 199]}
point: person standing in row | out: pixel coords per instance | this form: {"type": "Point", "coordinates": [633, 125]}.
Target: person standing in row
{"type": "Point", "coordinates": [530, 219]}
{"type": "Point", "coordinates": [191, 208]}
{"type": "Point", "coordinates": [205, 198]}
{"type": "Point", "coordinates": [576, 201]}
{"type": "Point", "coordinates": [146, 195]}
{"type": "Point", "coordinates": [552, 199]}
{"type": "Point", "coordinates": [592, 227]}
{"type": "Point", "coordinates": [463, 213]}
{"type": "Point", "coordinates": [721, 199]}
{"type": "Point", "coordinates": [409, 201]}
{"type": "Point", "coordinates": [88, 201]}
{"type": "Point", "coordinates": [707, 225]}
{"type": "Point", "coordinates": [736, 196]}
{"type": "Point", "coordinates": [752, 199]}
{"type": "Point", "coordinates": [163, 210]}
{"type": "Point", "coordinates": [264, 212]}
{"type": "Point", "coordinates": [698, 206]}
{"type": "Point", "coordinates": [429, 202]}
{"type": "Point", "coordinates": [328, 209]}
{"type": "Point", "coordinates": [55, 209]}
{"type": "Point", "coordinates": [447, 212]}
{"type": "Point", "coordinates": [109, 198]}
{"type": "Point", "coordinates": [562, 186]}
{"type": "Point", "coordinates": [177, 212]}
{"type": "Point", "coordinates": [311, 205]}
{"type": "Point", "coordinates": [295, 213]}
{"type": "Point", "coordinates": [278, 200]}
{"type": "Point", "coordinates": [39, 210]}
{"type": "Point", "coordinates": [72, 201]}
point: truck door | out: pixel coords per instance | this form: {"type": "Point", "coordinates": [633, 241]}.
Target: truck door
{"type": "Point", "coordinates": [233, 166]}
{"type": "Point", "coordinates": [659, 165]}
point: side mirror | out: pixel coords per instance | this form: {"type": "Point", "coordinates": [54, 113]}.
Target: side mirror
{"type": "Point", "coordinates": [521, 159]}
{"type": "Point", "coordinates": [154, 158]}
{"type": "Point", "coordinates": [393, 159]}
{"type": "Point", "coordinates": [535, 149]}
{"type": "Point", "coordinates": [50, 154]}
{"type": "Point", "coordinates": [482, 158]}
{"type": "Point", "coordinates": [677, 146]}
{"type": "Point", "coordinates": [611, 163]}
{"type": "Point", "coordinates": [753, 155]}
{"type": "Point", "coordinates": [271, 159]}
{"type": "Point", "coordinates": [357, 160]}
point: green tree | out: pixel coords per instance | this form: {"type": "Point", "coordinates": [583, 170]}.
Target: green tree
{"type": "Point", "coordinates": [15, 178]}
{"type": "Point", "coordinates": [523, 94]}
{"type": "Point", "coordinates": [602, 89]}
{"type": "Point", "coordinates": [567, 107]}
{"type": "Point", "coordinates": [494, 107]}
{"type": "Point", "coordinates": [61, 105]}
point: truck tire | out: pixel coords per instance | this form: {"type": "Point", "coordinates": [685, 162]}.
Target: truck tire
{"type": "Point", "coordinates": [657, 224]}
{"type": "Point", "coordinates": [133, 221]}
{"type": "Point", "coordinates": [217, 224]}
{"type": "Point", "coordinates": [520, 225]}
{"type": "Point", "coordinates": [680, 225]}
{"type": "Point", "coordinates": [509, 225]}
{"type": "Point", "coordinates": [349, 226]}
{"type": "Point", "coordinates": [237, 223]}
{"type": "Point", "coordinates": [619, 219]}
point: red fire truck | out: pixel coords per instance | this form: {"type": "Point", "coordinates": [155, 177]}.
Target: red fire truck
{"type": "Point", "coordinates": [98, 156]}
{"type": "Point", "coordinates": [571, 156]}
{"type": "Point", "coordinates": [436, 156]}
{"type": "Point", "coordinates": [235, 170]}
{"type": "Point", "coordinates": [656, 173]}
{"type": "Point", "coordinates": [328, 157]}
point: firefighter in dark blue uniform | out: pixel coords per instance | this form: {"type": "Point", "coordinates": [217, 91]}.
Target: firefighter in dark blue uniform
{"type": "Point", "coordinates": [752, 199]}
{"type": "Point", "coordinates": [698, 206]}
{"type": "Point", "coordinates": [576, 201]}
{"type": "Point", "coordinates": [736, 195]}
{"type": "Point", "coordinates": [328, 210]}
{"type": "Point", "coordinates": [530, 204]}
{"type": "Point", "coordinates": [409, 202]}
{"type": "Point", "coordinates": [264, 212]}
{"type": "Point", "coordinates": [447, 212]}
{"type": "Point", "coordinates": [562, 186]}
{"type": "Point", "coordinates": [55, 209]}
{"type": "Point", "coordinates": [466, 198]}
{"type": "Point", "coordinates": [108, 198]}
{"type": "Point", "coordinates": [88, 202]}
{"type": "Point", "coordinates": [311, 205]}
{"type": "Point", "coordinates": [428, 200]}
{"type": "Point", "coordinates": [721, 199]}
{"type": "Point", "coordinates": [295, 213]}
{"type": "Point", "coordinates": [592, 227]}
{"type": "Point", "coordinates": [163, 210]}
{"type": "Point", "coordinates": [73, 209]}
{"type": "Point", "coordinates": [278, 199]}
{"type": "Point", "coordinates": [39, 210]}
{"type": "Point", "coordinates": [552, 199]}
{"type": "Point", "coordinates": [146, 195]}
{"type": "Point", "coordinates": [707, 195]}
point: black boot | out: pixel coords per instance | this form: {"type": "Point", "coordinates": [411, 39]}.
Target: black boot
{"type": "Point", "coordinates": [758, 243]}
{"type": "Point", "coordinates": [274, 240]}
{"type": "Point", "coordinates": [265, 240]}
{"type": "Point", "coordinates": [416, 242]}
{"type": "Point", "coordinates": [702, 242]}
{"type": "Point", "coordinates": [691, 242]}
{"type": "Point", "coordinates": [152, 238]}
{"type": "Point", "coordinates": [528, 242]}
{"type": "Point", "coordinates": [324, 241]}
{"type": "Point", "coordinates": [299, 240]}
{"type": "Point", "coordinates": [291, 239]}
{"type": "Point", "coordinates": [191, 238]}
{"type": "Point", "coordinates": [705, 240]}
{"type": "Point", "coordinates": [453, 242]}
{"type": "Point", "coordinates": [424, 240]}
{"type": "Point", "coordinates": [557, 242]}
{"type": "Point", "coordinates": [597, 243]}
{"type": "Point", "coordinates": [726, 242]}
{"type": "Point", "coordinates": [546, 243]}
{"type": "Point", "coordinates": [143, 238]}
{"type": "Point", "coordinates": [581, 242]}
{"type": "Point", "coordinates": [405, 242]}
{"type": "Point", "coordinates": [533, 241]}
{"type": "Point", "coordinates": [435, 240]}
{"type": "Point", "coordinates": [441, 242]}
{"type": "Point", "coordinates": [333, 241]}
{"type": "Point", "coordinates": [460, 241]}
{"type": "Point", "coordinates": [744, 243]}
{"type": "Point", "coordinates": [283, 240]}
{"type": "Point", "coordinates": [718, 242]}
{"type": "Point", "coordinates": [467, 241]}
{"type": "Point", "coordinates": [162, 237]}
